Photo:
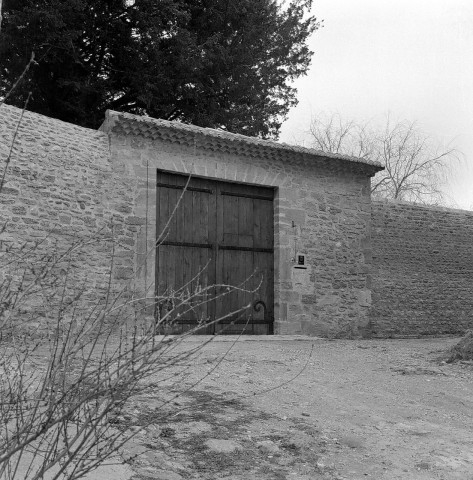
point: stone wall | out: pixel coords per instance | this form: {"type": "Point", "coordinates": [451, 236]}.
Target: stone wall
{"type": "Point", "coordinates": [422, 270]}
{"type": "Point", "coordinates": [322, 209]}
{"type": "Point", "coordinates": [68, 185]}
{"type": "Point", "coordinates": [384, 269]}
{"type": "Point", "coordinates": [58, 203]}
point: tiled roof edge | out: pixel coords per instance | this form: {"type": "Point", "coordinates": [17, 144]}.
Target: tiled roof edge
{"type": "Point", "coordinates": [127, 123]}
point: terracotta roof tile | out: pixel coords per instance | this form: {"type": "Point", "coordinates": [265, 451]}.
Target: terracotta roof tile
{"type": "Point", "coordinates": [212, 139]}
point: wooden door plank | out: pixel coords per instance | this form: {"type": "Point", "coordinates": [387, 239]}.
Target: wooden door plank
{"type": "Point", "coordinates": [245, 233]}
{"type": "Point", "coordinates": [202, 217]}
{"type": "Point", "coordinates": [163, 270]}
{"type": "Point", "coordinates": [171, 218]}
{"type": "Point", "coordinates": [170, 251]}
{"type": "Point", "coordinates": [231, 215]}
{"type": "Point", "coordinates": [219, 229]}
{"type": "Point", "coordinates": [245, 222]}
{"type": "Point", "coordinates": [162, 210]}
{"type": "Point", "coordinates": [195, 256]}
{"type": "Point", "coordinates": [158, 265]}
{"type": "Point", "coordinates": [209, 208]}
{"type": "Point", "coordinates": [236, 266]}
{"type": "Point", "coordinates": [242, 219]}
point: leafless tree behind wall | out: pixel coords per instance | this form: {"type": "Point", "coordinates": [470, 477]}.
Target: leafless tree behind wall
{"type": "Point", "coordinates": [417, 166]}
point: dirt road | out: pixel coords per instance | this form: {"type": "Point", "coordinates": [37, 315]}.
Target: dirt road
{"type": "Point", "coordinates": [381, 409]}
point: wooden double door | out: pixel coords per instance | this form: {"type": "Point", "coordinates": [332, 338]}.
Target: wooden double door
{"type": "Point", "coordinates": [214, 256]}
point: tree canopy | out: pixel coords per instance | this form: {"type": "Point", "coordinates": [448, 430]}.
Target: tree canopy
{"type": "Point", "coordinates": [214, 63]}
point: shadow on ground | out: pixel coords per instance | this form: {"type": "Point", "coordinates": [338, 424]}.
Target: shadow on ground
{"type": "Point", "coordinates": [205, 435]}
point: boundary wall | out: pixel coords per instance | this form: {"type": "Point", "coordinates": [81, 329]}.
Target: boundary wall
{"type": "Point", "coordinates": [402, 270]}
{"type": "Point", "coordinates": [63, 207]}
{"type": "Point", "coordinates": [422, 270]}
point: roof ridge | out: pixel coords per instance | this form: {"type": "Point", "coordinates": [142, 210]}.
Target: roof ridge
{"type": "Point", "coordinates": [117, 122]}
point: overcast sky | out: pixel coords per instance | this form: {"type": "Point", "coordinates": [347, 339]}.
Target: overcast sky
{"type": "Point", "coordinates": [412, 58]}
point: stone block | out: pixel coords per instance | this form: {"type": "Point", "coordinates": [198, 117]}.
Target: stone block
{"type": "Point", "coordinates": [289, 296]}
{"type": "Point", "coordinates": [309, 299]}
{"type": "Point", "coordinates": [315, 327]}
{"type": "Point", "coordinates": [132, 220]}
{"type": "Point", "coordinates": [296, 215]}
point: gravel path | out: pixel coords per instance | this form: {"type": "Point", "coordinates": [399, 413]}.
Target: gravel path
{"type": "Point", "coordinates": [309, 409]}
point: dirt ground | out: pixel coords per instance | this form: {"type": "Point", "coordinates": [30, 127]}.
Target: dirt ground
{"type": "Point", "coordinates": [381, 409]}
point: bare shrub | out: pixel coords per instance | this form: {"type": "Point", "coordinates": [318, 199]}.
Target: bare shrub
{"type": "Point", "coordinates": [72, 354]}
{"type": "Point", "coordinates": [463, 350]}
{"type": "Point", "coordinates": [66, 375]}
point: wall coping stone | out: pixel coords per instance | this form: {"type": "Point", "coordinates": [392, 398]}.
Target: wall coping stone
{"type": "Point", "coordinates": [29, 115]}
{"type": "Point", "coordinates": [437, 208]}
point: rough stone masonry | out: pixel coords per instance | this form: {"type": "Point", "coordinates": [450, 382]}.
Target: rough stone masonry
{"type": "Point", "coordinates": [422, 270]}
{"type": "Point", "coordinates": [322, 209]}
{"type": "Point", "coordinates": [66, 183]}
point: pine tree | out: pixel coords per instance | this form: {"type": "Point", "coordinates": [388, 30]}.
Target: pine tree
{"type": "Point", "coordinates": [214, 63]}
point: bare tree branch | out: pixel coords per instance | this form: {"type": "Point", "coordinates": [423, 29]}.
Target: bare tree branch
{"type": "Point", "coordinates": [12, 144]}
{"type": "Point", "coordinates": [416, 166]}
{"type": "Point", "coordinates": [19, 79]}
